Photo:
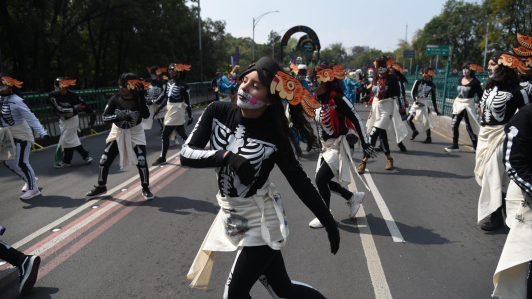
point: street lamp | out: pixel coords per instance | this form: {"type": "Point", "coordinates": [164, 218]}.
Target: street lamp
{"type": "Point", "coordinates": [255, 22]}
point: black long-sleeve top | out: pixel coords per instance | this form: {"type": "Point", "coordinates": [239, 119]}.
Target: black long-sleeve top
{"type": "Point", "coordinates": [422, 88]}
{"type": "Point", "coordinates": [114, 110]}
{"type": "Point", "coordinates": [517, 148]}
{"type": "Point", "coordinates": [526, 84]}
{"type": "Point", "coordinates": [177, 91]}
{"type": "Point", "coordinates": [253, 139]}
{"type": "Point", "coordinates": [499, 103]}
{"type": "Point", "coordinates": [344, 110]}
{"type": "Point", "coordinates": [469, 90]}
{"type": "Point", "coordinates": [392, 89]}
{"type": "Point", "coordinates": [64, 104]}
{"type": "Point", "coordinates": [156, 91]}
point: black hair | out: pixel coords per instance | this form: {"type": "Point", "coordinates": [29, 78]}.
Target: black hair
{"type": "Point", "coordinates": [126, 77]}
{"type": "Point", "coordinates": [153, 69]}
{"type": "Point", "coordinates": [182, 75]}
{"type": "Point", "coordinates": [400, 75]}
{"type": "Point", "coordinates": [509, 77]}
{"type": "Point", "coordinates": [14, 90]}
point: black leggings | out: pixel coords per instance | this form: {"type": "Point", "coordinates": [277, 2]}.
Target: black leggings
{"type": "Point", "coordinates": [69, 152]}
{"type": "Point", "coordinates": [410, 121]}
{"type": "Point", "coordinates": [11, 255]}
{"type": "Point", "coordinates": [324, 177]}
{"type": "Point", "coordinates": [109, 155]}
{"type": "Point", "coordinates": [166, 137]}
{"type": "Point", "coordinates": [457, 119]}
{"type": "Point", "coordinates": [21, 165]}
{"type": "Point", "coordinates": [267, 265]}
{"type": "Point", "coordinates": [375, 134]}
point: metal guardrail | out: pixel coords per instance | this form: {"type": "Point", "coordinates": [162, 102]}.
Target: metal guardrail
{"type": "Point", "coordinates": [97, 99]}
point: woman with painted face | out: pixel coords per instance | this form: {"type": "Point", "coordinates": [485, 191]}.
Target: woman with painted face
{"type": "Point", "coordinates": [464, 105]}
{"type": "Point", "coordinates": [336, 120]}
{"type": "Point", "coordinates": [420, 109]}
{"type": "Point", "coordinates": [16, 137]}
{"type": "Point", "coordinates": [67, 104]}
{"type": "Point", "coordinates": [127, 138]}
{"type": "Point", "coordinates": [397, 70]}
{"type": "Point", "coordinates": [247, 139]}
{"type": "Point", "coordinates": [501, 99]}
{"type": "Point", "coordinates": [386, 102]}
{"type": "Point", "coordinates": [155, 94]}
{"type": "Point", "coordinates": [178, 101]}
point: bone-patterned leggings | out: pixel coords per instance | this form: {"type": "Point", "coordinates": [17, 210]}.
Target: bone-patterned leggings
{"type": "Point", "coordinates": [109, 154]}
{"type": "Point", "coordinates": [21, 165]}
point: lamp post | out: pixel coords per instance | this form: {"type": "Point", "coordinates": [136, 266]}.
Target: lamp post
{"type": "Point", "coordinates": [200, 56]}
{"type": "Point", "coordinates": [255, 22]}
{"type": "Point", "coordinates": [486, 45]}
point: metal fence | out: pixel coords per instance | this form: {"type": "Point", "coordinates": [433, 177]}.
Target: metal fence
{"type": "Point", "coordinates": [96, 99]}
{"type": "Point", "coordinates": [446, 90]}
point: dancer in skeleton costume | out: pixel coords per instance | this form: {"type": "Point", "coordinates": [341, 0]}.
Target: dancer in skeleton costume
{"type": "Point", "coordinates": [336, 121]}
{"type": "Point", "coordinates": [502, 97]}
{"type": "Point", "coordinates": [525, 53]}
{"type": "Point", "coordinates": [512, 278]}
{"type": "Point", "coordinates": [127, 137]}
{"type": "Point", "coordinates": [156, 94]}
{"type": "Point", "coordinates": [16, 137]}
{"type": "Point", "coordinates": [246, 141]}
{"type": "Point", "coordinates": [178, 101]}
{"type": "Point", "coordinates": [28, 266]}
{"type": "Point", "coordinates": [67, 104]}
{"type": "Point", "coordinates": [386, 102]}
{"type": "Point", "coordinates": [464, 105]}
{"type": "Point", "coordinates": [420, 109]}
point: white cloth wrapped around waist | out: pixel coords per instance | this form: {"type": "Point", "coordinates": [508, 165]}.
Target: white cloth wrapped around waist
{"type": "Point", "coordinates": [510, 276]}
{"type": "Point", "coordinates": [489, 170]}
{"type": "Point", "coordinates": [175, 116]}
{"type": "Point", "coordinates": [422, 114]}
{"type": "Point", "coordinates": [20, 131]}
{"type": "Point", "coordinates": [253, 221]}
{"type": "Point", "coordinates": [69, 132]}
{"type": "Point", "coordinates": [126, 140]}
{"type": "Point", "coordinates": [383, 113]}
{"type": "Point", "coordinates": [461, 104]}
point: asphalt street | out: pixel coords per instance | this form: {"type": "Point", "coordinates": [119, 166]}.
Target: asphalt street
{"type": "Point", "coordinates": [122, 246]}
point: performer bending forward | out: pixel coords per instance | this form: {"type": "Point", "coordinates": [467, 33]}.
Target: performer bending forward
{"type": "Point", "coordinates": [420, 109]}
{"type": "Point", "coordinates": [127, 137]}
{"type": "Point", "coordinates": [337, 121]}
{"type": "Point", "coordinates": [246, 141]}
{"type": "Point", "coordinates": [15, 120]}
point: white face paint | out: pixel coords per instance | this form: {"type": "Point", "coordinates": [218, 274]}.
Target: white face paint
{"type": "Point", "coordinates": [466, 72]}
{"type": "Point", "coordinates": [247, 101]}
{"type": "Point", "coordinates": [3, 87]}
{"type": "Point", "coordinates": [495, 73]}
{"type": "Point", "coordinates": [57, 88]}
{"type": "Point", "coordinates": [382, 70]}
{"type": "Point", "coordinates": [153, 77]}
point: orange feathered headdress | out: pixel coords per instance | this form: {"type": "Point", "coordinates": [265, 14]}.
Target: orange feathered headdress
{"type": "Point", "coordinates": [475, 67]}
{"type": "Point", "coordinates": [431, 73]}
{"type": "Point", "coordinates": [328, 75]}
{"type": "Point", "coordinates": [66, 83]}
{"type": "Point", "coordinates": [398, 68]}
{"type": "Point", "coordinates": [132, 84]}
{"type": "Point", "coordinates": [291, 90]}
{"type": "Point", "coordinates": [526, 46]}
{"type": "Point", "coordinates": [181, 67]}
{"type": "Point", "coordinates": [11, 82]}
{"type": "Point", "coordinates": [294, 68]}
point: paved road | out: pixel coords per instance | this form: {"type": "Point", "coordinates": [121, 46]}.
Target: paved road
{"type": "Point", "coordinates": [125, 247]}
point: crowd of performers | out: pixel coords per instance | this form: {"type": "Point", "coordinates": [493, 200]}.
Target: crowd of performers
{"type": "Point", "coordinates": [258, 122]}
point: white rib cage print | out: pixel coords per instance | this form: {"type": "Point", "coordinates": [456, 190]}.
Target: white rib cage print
{"type": "Point", "coordinates": [6, 112]}
{"type": "Point", "coordinates": [493, 104]}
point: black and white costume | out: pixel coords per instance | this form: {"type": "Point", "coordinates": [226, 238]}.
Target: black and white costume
{"type": "Point", "coordinates": [126, 138]}
{"type": "Point", "coordinates": [16, 119]}
{"type": "Point", "coordinates": [242, 207]}
{"type": "Point", "coordinates": [464, 108]}
{"type": "Point", "coordinates": [510, 279]}
{"type": "Point", "coordinates": [420, 110]}
{"type": "Point", "coordinates": [155, 94]}
{"type": "Point", "coordinates": [65, 106]}
{"type": "Point", "coordinates": [28, 266]}
{"type": "Point", "coordinates": [178, 101]}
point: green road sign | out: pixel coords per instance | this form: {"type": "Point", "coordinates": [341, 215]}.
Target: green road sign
{"type": "Point", "coordinates": [438, 50]}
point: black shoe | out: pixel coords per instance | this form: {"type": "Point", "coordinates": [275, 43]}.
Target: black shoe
{"type": "Point", "coordinates": [493, 222]}
{"type": "Point", "coordinates": [452, 148]}
{"type": "Point", "coordinates": [401, 147]}
{"type": "Point", "coordinates": [428, 140]}
{"type": "Point", "coordinates": [97, 191]}
{"type": "Point", "coordinates": [27, 272]}
{"type": "Point", "coordinates": [147, 194]}
{"type": "Point", "coordinates": [414, 134]}
{"type": "Point", "coordinates": [379, 148]}
{"type": "Point", "coordinates": [159, 161]}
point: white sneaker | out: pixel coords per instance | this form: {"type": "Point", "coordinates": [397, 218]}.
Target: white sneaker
{"type": "Point", "coordinates": [25, 188]}
{"type": "Point", "coordinates": [176, 142]}
{"type": "Point", "coordinates": [30, 194]}
{"type": "Point", "coordinates": [354, 203]}
{"type": "Point", "coordinates": [88, 160]}
{"type": "Point", "coordinates": [315, 223]}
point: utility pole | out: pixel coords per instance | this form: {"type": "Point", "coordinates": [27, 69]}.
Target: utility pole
{"type": "Point", "coordinates": [406, 34]}
{"type": "Point", "coordinates": [255, 22]}
{"type": "Point", "coordinates": [486, 46]}
{"type": "Point", "coordinates": [200, 57]}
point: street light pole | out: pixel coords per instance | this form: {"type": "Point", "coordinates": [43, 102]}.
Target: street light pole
{"type": "Point", "coordinates": [200, 56]}
{"type": "Point", "coordinates": [255, 22]}
{"type": "Point", "coordinates": [486, 45]}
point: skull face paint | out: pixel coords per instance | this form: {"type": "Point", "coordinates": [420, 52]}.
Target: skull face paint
{"type": "Point", "coordinates": [494, 74]}
{"type": "Point", "coordinates": [382, 70]}
{"type": "Point", "coordinates": [153, 76]}
{"type": "Point", "coordinates": [466, 72]}
{"type": "Point", "coordinates": [247, 101]}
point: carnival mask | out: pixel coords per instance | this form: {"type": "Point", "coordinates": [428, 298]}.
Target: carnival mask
{"type": "Point", "coordinates": [382, 70]}
{"type": "Point", "coordinates": [247, 101]}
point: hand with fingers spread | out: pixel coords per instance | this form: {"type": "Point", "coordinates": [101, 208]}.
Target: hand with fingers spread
{"type": "Point", "coordinates": [242, 167]}
{"type": "Point", "coordinates": [370, 151]}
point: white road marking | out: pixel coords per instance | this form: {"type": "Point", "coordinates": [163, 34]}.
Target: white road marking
{"type": "Point", "coordinates": [387, 216]}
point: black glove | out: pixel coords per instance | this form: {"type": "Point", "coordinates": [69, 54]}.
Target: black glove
{"type": "Point", "coordinates": [190, 120]}
{"type": "Point", "coordinates": [352, 139]}
{"type": "Point", "coordinates": [242, 167]}
{"type": "Point", "coordinates": [92, 120]}
{"type": "Point", "coordinates": [48, 138]}
{"type": "Point", "coordinates": [125, 117]}
{"type": "Point", "coordinates": [334, 238]}
{"type": "Point", "coordinates": [370, 151]}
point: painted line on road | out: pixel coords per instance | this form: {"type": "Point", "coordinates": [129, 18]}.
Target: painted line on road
{"type": "Point", "coordinates": [386, 215]}
{"type": "Point", "coordinates": [87, 205]}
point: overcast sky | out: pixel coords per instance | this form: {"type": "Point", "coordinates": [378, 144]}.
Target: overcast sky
{"type": "Point", "coordinates": [378, 24]}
